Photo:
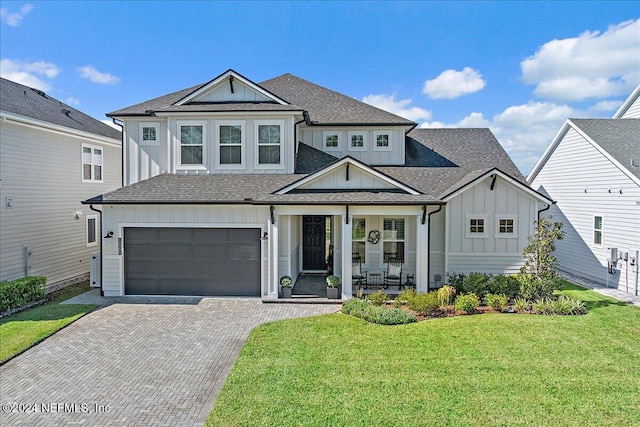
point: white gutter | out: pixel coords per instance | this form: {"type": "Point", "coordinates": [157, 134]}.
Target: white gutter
{"type": "Point", "coordinates": [62, 130]}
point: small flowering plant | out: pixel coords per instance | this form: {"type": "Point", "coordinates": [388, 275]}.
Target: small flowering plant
{"type": "Point", "coordinates": [286, 281]}
{"type": "Point", "coordinates": [333, 281]}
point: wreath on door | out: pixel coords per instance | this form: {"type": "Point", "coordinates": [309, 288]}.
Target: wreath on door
{"type": "Point", "coordinates": [374, 236]}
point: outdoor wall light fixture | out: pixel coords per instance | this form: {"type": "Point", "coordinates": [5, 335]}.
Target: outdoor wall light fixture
{"type": "Point", "coordinates": [265, 236]}
{"type": "Point", "coordinates": [109, 234]}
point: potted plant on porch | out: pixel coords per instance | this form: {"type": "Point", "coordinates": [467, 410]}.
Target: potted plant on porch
{"type": "Point", "coordinates": [332, 287]}
{"type": "Point", "coordinates": [287, 284]}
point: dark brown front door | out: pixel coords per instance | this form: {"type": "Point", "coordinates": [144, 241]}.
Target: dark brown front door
{"type": "Point", "coordinates": [314, 240]}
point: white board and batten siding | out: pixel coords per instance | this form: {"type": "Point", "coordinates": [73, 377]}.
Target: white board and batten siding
{"type": "Point", "coordinates": [369, 154]}
{"type": "Point", "coordinates": [586, 184]}
{"type": "Point", "coordinates": [117, 218]}
{"type": "Point", "coordinates": [41, 187]}
{"type": "Point", "coordinates": [491, 252]}
{"type": "Point", "coordinates": [143, 160]}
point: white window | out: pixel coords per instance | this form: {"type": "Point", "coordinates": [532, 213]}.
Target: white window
{"type": "Point", "coordinates": [91, 163]}
{"type": "Point", "coordinates": [381, 141]}
{"type": "Point", "coordinates": [393, 239]}
{"type": "Point", "coordinates": [597, 230]}
{"type": "Point", "coordinates": [92, 230]}
{"type": "Point", "coordinates": [331, 141]}
{"type": "Point", "coordinates": [358, 238]}
{"type": "Point", "coordinates": [149, 133]}
{"type": "Point", "coordinates": [506, 226]}
{"type": "Point", "coordinates": [476, 226]}
{"type": "Point", "coordinates": [230, 138]}
{"type": "Point", "coordinates": [269, 146]}
{"type": "Point", "coordinates": [192, 141]}
{"type": "Point", "coordinates": [357, 141]}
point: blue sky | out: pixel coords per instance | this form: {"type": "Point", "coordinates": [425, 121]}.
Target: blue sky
{"type": "Point", "coordinates": [520, 68]}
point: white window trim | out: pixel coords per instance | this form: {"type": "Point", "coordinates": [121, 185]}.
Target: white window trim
{"type": "Point", "coordinates": [143, 125]}
{"type": "Point", "coordinates": [470, 235]}
{"type": "Point", "coordinates": [179, 124]}
{"type": "Point", "coordinates": [383, 240]}
{"type": "Point", "coordinates": [82, 163]}
{"type": "Point", "coordinates": [364, 140]}
{"type": "Point", "coordinates": [327, 133]}
{"type": "Point", "coordinates": [243, 145]}
{"type": "Point", "coordinates": [95, 230]}
{"type": "Point", "coordinates": [259, 165]}
{"type": "Point", "coordinates": [593, 231]}
{"type": "Point", "coordinates": [498, 234]}
{"type": "Point", "coordinates": [364, 239]}
{"type": "Point", "coordinates": [374, 143]}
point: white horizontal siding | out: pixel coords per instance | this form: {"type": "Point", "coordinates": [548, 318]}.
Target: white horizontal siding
{"type": "Point", "coordinates": [576, 166]}
{"type": "Point", "coordinates": [633, 112]}
{"type": "Point", "coordinates": [41, 172]}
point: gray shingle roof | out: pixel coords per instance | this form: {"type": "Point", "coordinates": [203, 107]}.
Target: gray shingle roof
{"type": "Point", "coordinates": [619, 137]}
{"type": "Point", "coordinates": [28, 102]}
{"type": "Point", "coordinates": [328, 107]}
{"type": "Point", "coordinates": [324, 106]}
{"type": "Point", "coordinates": [310, 159]}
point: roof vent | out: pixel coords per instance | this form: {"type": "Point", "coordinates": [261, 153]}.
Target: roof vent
{"type": "Point", "coordinates": [66, 112]}
{"type": "Point", "coordinates": [634, 164]}
{"type": "Point", "coordinates": [39, 92]}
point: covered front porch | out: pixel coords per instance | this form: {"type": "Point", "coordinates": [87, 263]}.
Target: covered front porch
{"type": "Point", "coordinates": [311, 242]}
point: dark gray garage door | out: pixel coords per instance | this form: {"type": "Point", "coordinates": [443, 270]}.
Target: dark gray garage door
{"type": "Point", "coordinates": [192, 261]}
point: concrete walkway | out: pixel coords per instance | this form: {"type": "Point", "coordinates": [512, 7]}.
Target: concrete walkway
{"type": "Point", "coordinates": [136, 362]}
{"type": "Point", "coordinates": [597, 287]}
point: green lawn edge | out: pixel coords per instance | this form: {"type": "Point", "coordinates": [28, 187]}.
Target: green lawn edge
{"type": "Point", "coordinates": [487, 369]}
{"type": "Point", "coordinates": [21, 331]}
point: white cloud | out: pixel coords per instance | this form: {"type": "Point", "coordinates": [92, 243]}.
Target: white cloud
{"type": "Point", "coordinates": [90, 73]}
{"type": "Point", "coordinates": [593, 65]}
{"type": "Point", "coordinates": [14, 19]}
{"type": "Point", "coordinates": [453, 84]}
{"type": "Point", "coordinates": [401, 107]}
{"type": "Point", "coordinates": [73, 101]}
{"type": "Point", "coordinates": [33, 74]}
{"type": "Point", "coordinates": [111, 124]}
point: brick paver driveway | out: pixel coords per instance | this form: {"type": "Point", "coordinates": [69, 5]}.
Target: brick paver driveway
{"type": "Point", "coordinates": [136, 364]}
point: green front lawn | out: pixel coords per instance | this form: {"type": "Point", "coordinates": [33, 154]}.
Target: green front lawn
{"type": "Point", "coordinates": [25, 329]}
{"type": "Point", "coordinates": [488, 369]}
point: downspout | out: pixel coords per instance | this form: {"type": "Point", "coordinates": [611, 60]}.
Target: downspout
{"type": "Point", "coordinates": [545, 209]}
{"type": "Point", "coordinates": [121, 156]}
{"type": "Point", "coordinates": [101, 253]}
{"type": "Point", "coordinates": [429, 244]}
{"type": "Point", "coordinates": [305, 119]}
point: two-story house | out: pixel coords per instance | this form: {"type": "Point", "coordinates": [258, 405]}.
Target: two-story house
{"type": "Point", "coordinates": [231, 184]}
{"type": "Point", "coordinates": [52, 156]}
{"type": "Point", "coordinates": [592, 169]}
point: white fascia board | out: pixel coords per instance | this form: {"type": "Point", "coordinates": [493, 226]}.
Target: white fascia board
{"type": "Point", "coordinates": [605, 154]}
{"type": "Point", "coordinates": [223, 77]}
{"type": "Point", "coordinates": [219, 113]}
{"type": "Point", "coordinates": [61, 130]}
{"type": "Point", "coordinates": [627, 103]}
{"type": "Point", "coordinates": [534, 194]}
{"type": "Point", "coordinates": [547, 153]}
{"type": "Point", "coordinates": [341, 162]}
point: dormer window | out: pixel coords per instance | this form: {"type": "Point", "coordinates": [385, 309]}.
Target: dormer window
{"type": "Point", "coordinates": [357, 141]}
{"type": "Point", "coordinates": [381, 141]}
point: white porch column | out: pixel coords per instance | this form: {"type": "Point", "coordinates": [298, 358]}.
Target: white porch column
{"type": "Point", "coordinates": [422, 254]}
{"type": "Point", "coordinates": [273, 259]}
{"type": "Point", "coordinates": [346, 256]}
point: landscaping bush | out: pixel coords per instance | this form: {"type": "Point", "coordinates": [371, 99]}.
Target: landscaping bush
{"type": "Point", "coordinates": [504, 284]}
{"type": "Point", "coordinates": [20, 292]}
{"type": "Point", "coordinates": [424, 304]}
{"type": "Point", "coordinates": [446, 295]}
{"type": "Point", "coordinates": [536, 287]}
{"type": "Point", "coordinates": [406, 295]}
{"type": "Point", "coordinates": [455, 280]}
{"type": "Point", "coordinates": [522, 304]}
{"type": "Point", "coordinates": [378, 298]}
{"type": "Point", "coordinates": [566, 305]}
{"type": "Point", "coordinates": [496, 301]}
{"type": "Point", "coordinates": [477, 283]}
{"type": "Point", "coordinates": [374, 314]}
{"type": "Point", "coordinates": [467, 303]}
{"type": "Point", "coordinates": [543, 306]}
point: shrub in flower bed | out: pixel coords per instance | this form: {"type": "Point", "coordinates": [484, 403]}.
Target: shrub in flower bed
{"type": "Point", "coordinates": [425, 304]}
{"type": "Point", "coordinates": [20, 292]}
{"type": "Point", "coordinates": [498, 302]}
{"type": "Point", "coordinates": [375, 314]}
{"type": "Point", "coordinates": [378, 298]}
{"type": "Point", "coordinates": [446, 295]}
{"type": "Point", "coordinates": [467, 303]}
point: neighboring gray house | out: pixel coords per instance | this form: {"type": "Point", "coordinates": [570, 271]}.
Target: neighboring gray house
{"type": "Point", "coordinates": [52, 157]}
{"type": "Point", "coordinates": [231, 184]}
{"type": "Point", "coordinates": [592, 170]}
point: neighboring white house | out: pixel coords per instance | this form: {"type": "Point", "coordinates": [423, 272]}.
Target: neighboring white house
{"type": "Point", "coordinates": [592, 170]}
{"type": "Point", "coordinates": [52, 157]}
{"type": "Point", "coordinates": [231, 184]}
